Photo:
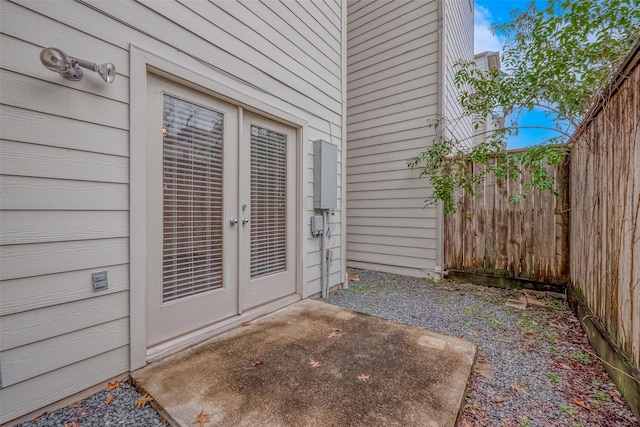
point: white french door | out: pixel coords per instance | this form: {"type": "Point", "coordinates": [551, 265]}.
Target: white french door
{"type": "Point", "coordinates": [267, 244]}
{"type": "Point", "coordinates": [220, 210]}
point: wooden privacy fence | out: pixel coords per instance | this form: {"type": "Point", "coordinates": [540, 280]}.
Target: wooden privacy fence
{"type": "Point", "coordinates": [524, 240]}
{"type": "Point", "coordinates": [599, 253]}
{"type": "Point", "coordinates": [605, 210]}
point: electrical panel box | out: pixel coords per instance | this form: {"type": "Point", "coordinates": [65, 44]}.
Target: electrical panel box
{"type": "Point", "coordinates": [317, 225]}
{"type": "Point", "coordinates": [325, 175]}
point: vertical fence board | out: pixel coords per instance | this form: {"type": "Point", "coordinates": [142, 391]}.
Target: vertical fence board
{"type": "Point", "coordinates": [605, 211]}
{"type": "Point", "coordinates": [588, 234]}
{"type": "Point", "coordinates": [526, 240]}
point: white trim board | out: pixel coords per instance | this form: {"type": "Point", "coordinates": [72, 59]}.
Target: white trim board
{"type": "Point", "coordinates": [209, 81]}
{"type": "Point", "coordinates": [183, 342]}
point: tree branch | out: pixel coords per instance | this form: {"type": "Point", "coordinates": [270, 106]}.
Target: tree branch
{"type": "Point", "coordinates": [568, 135]}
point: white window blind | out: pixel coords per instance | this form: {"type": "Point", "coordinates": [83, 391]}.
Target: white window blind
{"type": "Point", "coordinates": [268, 202]}
{"type": "Point", "coordinates": [192, 199]}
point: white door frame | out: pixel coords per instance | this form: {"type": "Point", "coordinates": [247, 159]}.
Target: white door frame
{"type": "Point", "coordinates": [166, 320]}
{"type": "Point", "coordinates": [173, 66]}
{"type": "Point", "coordinates": [256, 291]}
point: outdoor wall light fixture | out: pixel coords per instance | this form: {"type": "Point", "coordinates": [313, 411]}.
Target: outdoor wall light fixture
{"type": "Point", "coordinates": [69, 67]}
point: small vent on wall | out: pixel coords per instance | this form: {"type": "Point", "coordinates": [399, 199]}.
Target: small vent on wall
{"type": "Point", "coordinates": [100, 281]}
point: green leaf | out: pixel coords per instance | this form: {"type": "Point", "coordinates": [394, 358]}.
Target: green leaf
{"type": "Point", "coordinates": [557, 59]}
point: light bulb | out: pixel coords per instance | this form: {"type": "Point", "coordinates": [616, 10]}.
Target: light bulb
{"type": "Point", "coordinates": [107, 71]}
{"type": "Point", "coordinates": [55, 59]}
{"type": "Point", "coordinates": [69, 67]}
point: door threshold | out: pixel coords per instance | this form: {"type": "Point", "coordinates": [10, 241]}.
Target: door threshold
{"type": "Point", "coordinates": [167, 348]}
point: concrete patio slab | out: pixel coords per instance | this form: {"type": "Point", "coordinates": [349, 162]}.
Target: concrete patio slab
{"type": "Point", "coordinates": [315, 364]}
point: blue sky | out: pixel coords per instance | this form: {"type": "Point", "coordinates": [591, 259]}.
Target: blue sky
{"type": "Point", "coordinates": [497, 11]}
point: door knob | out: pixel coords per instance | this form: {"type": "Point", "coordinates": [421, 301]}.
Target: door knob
{"type": "Point", "coordinates": [245, 220]}
{"type": "Point", "coordinates": [233, 221]}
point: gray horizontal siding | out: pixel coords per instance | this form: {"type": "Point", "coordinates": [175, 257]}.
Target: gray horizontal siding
{"type": "Point", "coordinates": [65, 162]}
{"type": "Point", "coordinates": [489, 124]}
{"type": "Point", "coordinates": [392, 89]}
{"type": "Point", "coordinates": [458, 39]}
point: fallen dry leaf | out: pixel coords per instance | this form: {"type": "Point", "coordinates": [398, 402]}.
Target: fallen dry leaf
{"type": "Point", "coordinates": [616, 398]}
{"type": "Point", "coordinates": [353, 277]}
{"type": "Point", "coordinates": [113, 385]}
{"type": "Point", "coordinates": [314, 363]}
{"type": "Point", "coordinates": [484, 369]}
{"type": "Point", "coordinates": [530, 332]}
{"type": "Point", "coordinates": [74, 405]}
{"type": "Point", "coordinates": [581, 403]}
{"type": "Point", "coordinates": [363, 377]}
{"type": "Point", "coordinates": [245, 324]}
{"type": "Point", "coordinates": [202, 418]}
{"type": "Point", "coordinates": [73, 424]}
{"type": "Point", "coordinates": [519, 389]}
{"type": "Point", "coordinates": [464, 422]}
{"type": "Point", "coordinates": [257, 363]}
{"type": "Point", "coordinates": [37, 418]}
{"type": "Point", "coordinates": [558, 325]}
{"type": "Point", "coordinates": [143, 401]}
{"type": "Point", "coordinates": [498, 399]}
{"type": "Point", "coordinates": [539, 302]}
{"type": "Point", "coordinates": [109, 399]}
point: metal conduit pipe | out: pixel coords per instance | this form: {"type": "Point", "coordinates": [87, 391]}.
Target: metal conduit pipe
{"type": "Point", "coordinates": [324, 258]}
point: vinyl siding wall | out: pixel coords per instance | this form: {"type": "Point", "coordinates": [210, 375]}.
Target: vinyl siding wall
{"type": "Point", "coordinates": [392, 90]}
{"type": "Point", "coordinates": [481, 133]}
{"type": "Point", "coordinates": [66, 173]}
{"type": "Point", "coordinates": [458, 45]}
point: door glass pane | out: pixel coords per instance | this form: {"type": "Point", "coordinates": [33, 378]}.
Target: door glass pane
{"type": "Point", "coordinates": [192, 199]}
{"type": "Point", "coordinates": [268, 202]}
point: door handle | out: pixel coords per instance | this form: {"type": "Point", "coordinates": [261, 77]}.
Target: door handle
{"type": "Point", "coordinates": [245, 220]}
{"type": "Point", "coordinates": [233, 221]}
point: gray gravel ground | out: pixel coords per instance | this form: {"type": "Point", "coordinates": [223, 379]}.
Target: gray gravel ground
{"type": "Point", "coordinates": [535, 367]}
{"type": "Point", "coordinates": [94, 412]}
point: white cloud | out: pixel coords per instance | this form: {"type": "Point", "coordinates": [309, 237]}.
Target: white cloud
{"type": "Point", "coordinates": [483, 39]}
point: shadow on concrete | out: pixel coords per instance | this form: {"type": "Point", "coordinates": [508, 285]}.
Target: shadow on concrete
{"type": "Point", "coordinates": [315, 364]}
